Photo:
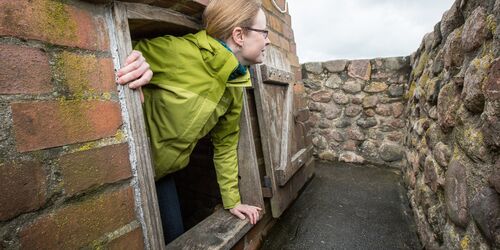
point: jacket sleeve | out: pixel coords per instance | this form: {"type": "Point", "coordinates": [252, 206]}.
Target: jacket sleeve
{"type": "Point", "coordinates": [225, 137]}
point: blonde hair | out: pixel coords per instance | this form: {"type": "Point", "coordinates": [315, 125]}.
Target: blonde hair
{"type": "Point", "coordinates": [222, 16]}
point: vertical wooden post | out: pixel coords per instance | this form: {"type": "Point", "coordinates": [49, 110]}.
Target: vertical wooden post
{"type": "Point", "coordinates": [138, 140]}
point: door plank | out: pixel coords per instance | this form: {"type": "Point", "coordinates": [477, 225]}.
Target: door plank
{"type": "Point", "coordinates": [248, 165]}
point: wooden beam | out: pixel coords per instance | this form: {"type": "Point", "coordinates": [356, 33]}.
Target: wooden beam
{"type": "Point", "coordinates": [248, 167]}
{"type": "Point", "coordinates": [138, 140]}
{"type": "Point", "coordinates": [221, 230]}
{"type": "Point", "coordinates": [147, 12]}
{"type": "Point", "coordinates": [298, 160]}
{"type": "Point", "coordinates": [277, 76]}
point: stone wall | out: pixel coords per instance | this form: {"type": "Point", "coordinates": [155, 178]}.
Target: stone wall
{"type": "Point", "coordinates": [357, 109]}
{"type": "Point", "coordinates": [453, 137]}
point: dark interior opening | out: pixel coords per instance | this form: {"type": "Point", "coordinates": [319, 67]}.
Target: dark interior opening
{"type": "Point", "coordinates": [140, 29]}
{"type": "Point", "coordinates": [197, 186]}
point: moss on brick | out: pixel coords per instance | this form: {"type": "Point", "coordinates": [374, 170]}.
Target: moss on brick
{"type": "Point", "coordinates": [75, 71]}
{"type": "Point", "coordinates": [56, 21]}
{"type": "Point", "coordinates": [72, 111]}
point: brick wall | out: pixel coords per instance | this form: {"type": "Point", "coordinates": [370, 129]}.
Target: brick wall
{"type": "Point", "coordinates": [64, 161]}
{"type": "Point", "coordinates": [65, 173]}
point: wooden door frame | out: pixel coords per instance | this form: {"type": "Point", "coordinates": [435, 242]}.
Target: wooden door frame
{"type": "Point", "coordinates": [220, 230]}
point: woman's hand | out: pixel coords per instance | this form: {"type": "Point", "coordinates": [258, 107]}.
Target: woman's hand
{"type": "Point", "coordinates": [136, 71]}
{"type": "Point", "coordinates": [242, 210]}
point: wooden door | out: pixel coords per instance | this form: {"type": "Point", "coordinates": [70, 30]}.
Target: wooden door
{"type": "Point", "coordinates": [287, 153]}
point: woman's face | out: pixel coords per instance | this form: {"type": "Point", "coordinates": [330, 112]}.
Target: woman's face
{"type": "Point", "coordinates": [255, 41]}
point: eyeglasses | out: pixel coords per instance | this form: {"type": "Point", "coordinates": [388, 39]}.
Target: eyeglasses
{"type": "Point", "coordinates": [265, 33]}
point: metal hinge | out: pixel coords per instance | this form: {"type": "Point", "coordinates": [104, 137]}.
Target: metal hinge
{"type": "Point", "coordinates": [267, 190]}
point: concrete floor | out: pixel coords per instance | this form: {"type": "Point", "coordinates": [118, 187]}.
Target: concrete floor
{"type": "Point", "coordinates": [347, 207]}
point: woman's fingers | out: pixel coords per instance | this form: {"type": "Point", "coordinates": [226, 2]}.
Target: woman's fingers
{"type": "Point", "coordinates": [143, 80]}
{"type": "Point", "coordinates": [135, 74]}
{"type": "Point", "coordinates": [242, 211]}
{"type": "Point", "coordinates": [131, 66]}
{"type": "Point", "coordinates": [237, 213]}
{"type": "Point", "coordinates": [133, 56]}
{"type": "Point", "coordinates": [252, 213]}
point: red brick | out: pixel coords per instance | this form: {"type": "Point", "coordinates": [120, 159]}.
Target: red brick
{"type": "Point", "coordinates": [53, 22]}
{"type": "Point", "coordinates": [46, 124]}
{"type": "Point", "coordinates": [274, 38]}
{"type": "Point", "coordinates": [275, 23]}
{"type": "Point", "coordinates": [284, 44]}
{"type": "Point", "coordinates": [95, 167]}
{"type": "Point", "coordinates": [86, 73]}
{"type": "Point", "coordinates": [24, 70]}
{"type": "Point", "coordinates": [23, 188]}
{"type": "Point", "coordinates": [293, 48]}
{"type": "Point", "coordinates": [288, 32]}
{"type": "Point", "coordinates": [130, 241]}
{"type": "Point", "coordinates": [293, 59]}
{"type": "Point", "coordinates": [80, 223]}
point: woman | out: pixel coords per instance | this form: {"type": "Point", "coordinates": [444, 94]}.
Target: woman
{"type": "Point", "coordinates": [196, 89]}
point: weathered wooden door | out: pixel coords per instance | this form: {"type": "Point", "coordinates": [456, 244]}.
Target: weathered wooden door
{"type": "Point", "coordinates": [287, 153]}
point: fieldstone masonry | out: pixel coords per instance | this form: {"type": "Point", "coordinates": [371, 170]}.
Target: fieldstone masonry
{"type": "Point", "coordinates": [453, 138]}
{"type": "Point", "coordinates": [357, 109]}
{"type": "Point", "coordinates": [435, 114]}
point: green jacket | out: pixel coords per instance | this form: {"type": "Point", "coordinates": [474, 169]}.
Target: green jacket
{"type": "Point", "coordinates": [190, 96]}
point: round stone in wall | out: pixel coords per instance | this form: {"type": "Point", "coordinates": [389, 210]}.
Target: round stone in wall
{"type": "Point", "coordinates": [375, 87]}
{"type": "Point", "coordinates": [485, 209]}
{"type": "Point", "coordinates": [447, 106]}
{"type": "Point", "coordinates": [353, 110]}
{"type": "Point", "coordinates": [352, 87]}
{"type": "Point", "coordinates": [333, 82]}
{"type": "Point", "coordinates": [311, 84]}
{"type": "Point", "coordinates": [332, 111]}
{"type": "Point", "coordinates": [360, 69]}
{"type": "Point", "coordinates": [314, 106]}
{"type": "Point", "coordinates": [367, 122]}
{"type": "Point", "coordinates": [335, 66]}
{"type": "Point", "coordinates": [322, 96]}
{"type": "Point", "coordinates": [472, 94]}
{"type": "Point", "coordinates": [390, 151]}
{"type": "Point", "coordinates": [370, 101]}
{"type": "Point", "coordinates": [343, 123]}
{"type": "Point", "coordinates": [475, 30]}
{"type": "Point", "coordinates": [442, 154]}
{"type": "Point", "coordinates": [396, 90]}
{"type": "Point", "coordinates": [453, 53]}
{"type": "Point", "coordinates": [320, 142]}
{"type": "Point", "coordinates": [340, 98]}
{"type": "Point", "coordinates": [455, 193]}
{"type": "Point", "coordinates": [327, 156]}
{"type": "Point", "coordinates": [351, 157]}
{"type": "Point", "coordinates": [313, 67]}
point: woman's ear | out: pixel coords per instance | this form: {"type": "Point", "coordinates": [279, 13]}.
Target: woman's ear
{"type": "Point", "coordinates": [237, 36]}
